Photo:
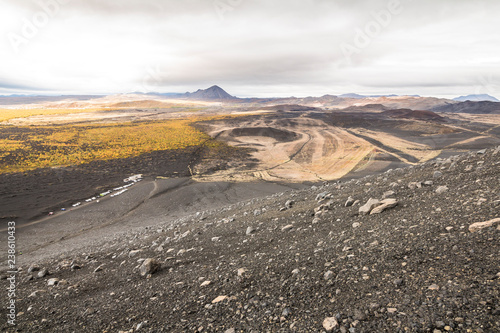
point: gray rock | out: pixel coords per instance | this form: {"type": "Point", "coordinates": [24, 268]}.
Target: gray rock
{"type": "Point", "coordinates": [250, 230]}
{"type": "Point", "coordinates": [287, 228]}
{"type": "Point", "coordinates": [349, 202]}
{"type": "Point", "coordinates": [231, 330]}
{"type": "Point", "coordinates": [385, 204]}
{"type": "Point", "coordinates": [149, 266]}
{"type": "Point", "coordinates": [428, 183]}
{"type": "Point", "coordinates": [52, 282]}
{"type": "Point", "coordinates": [388, 194]}
{"type": "Point", "coordinates": [134, 253]}
{"type": "Point", "coordinates": [437, 174]}
{"type": "Point", "coordinates": [328, 275]}
{"type": "Point", "coordinates": [330, 323]}
{"type": "Point", "coordinates": [481, 152]}
{"type": "Point", "coordinates": [442, 189]}
{"type": "Point", "coordinates": [289, 204]}
{"type": "Point", "coordinates": [368, 206]}
{"type": "Point", "coordinates": [322, 196]}
{"type": "Point", "coordinates": [482, 225]}
{"type": "Point", "coordinates": [44, 272]}
{"type": "Point", "coordinates": [414, 185]}
{"type": "Point", "coordinates": [33, 268]}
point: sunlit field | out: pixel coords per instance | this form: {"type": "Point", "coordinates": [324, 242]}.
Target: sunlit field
{"type": "Point", "coordinates": [24, 148]}
{"type": "Point", "coordinates": [7, 114]}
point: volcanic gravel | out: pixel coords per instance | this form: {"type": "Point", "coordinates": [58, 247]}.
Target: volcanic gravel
{"type": "Point", "coordinates": [274, 265]}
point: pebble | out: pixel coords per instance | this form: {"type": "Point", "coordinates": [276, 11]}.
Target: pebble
{"type": "Point", "coordinates": [330, 323]}
{"type": "Point", "coordinates": [250, 230]}
{"type": "Point", "coordinates": [287, 228]}
{"type": "Point", "coordinates": [52, 282]}
{"type": "Point", "coordinates": [442, 189]}
{"type": "Point", "coordinates": [149, 266]}
{"type": "Point", "coordinates": [219, 299]}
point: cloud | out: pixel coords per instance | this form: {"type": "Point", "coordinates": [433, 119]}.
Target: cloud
{"type": "Point", "coordinates": [104, 46]}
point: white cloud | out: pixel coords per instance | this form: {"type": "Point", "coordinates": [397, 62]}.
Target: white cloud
{"type": "Point", "coordinates": [259, 47]}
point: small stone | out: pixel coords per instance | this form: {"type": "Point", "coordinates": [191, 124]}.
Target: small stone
{"type": "Point", "coordinates": [250, 230]}
{"type": "Point", "coordinates": [205, 283]}
{"type": "Point", "coordinates": [440, 324]}
{"type": "Point", "coordinates": [99, 268]}
{"type": "Point", "coordinates": [286, 312]}
{"type": "Point", "coordinates": [359, 315]}
{"type": "Point", "coordinates": [149, 266]}
{"type": "Point", "coordinates": [134, 253]}
{"type": "Point", "coordinates": [33, 268]}
{"type": "Point", "coordinates": [385, 204]}
{"type": "Point", "coordinates": [388, 194]}
{"type": "Point", "coordinates": [392, 310]}
{"type": "Point", "coordinates": [428, 183]}
{"type": "Point", "coordinates": [330, 323]}
{"type": "Point", "coordinates": [287, 228]}
{"type": "Point", "coordinates": [219, 299]}
{"type": "Point", "coordinates": [437, 174]}
{"type": "Point", "coordinates": [481, 152]}
{"type": "Point", "coordinates": [367, 208]}
{"type": "Point", "coordinates": [349, 202]}
{"type": "Point", "coordinates": [328, 275]}
{"type": "Point", "coordinates": [295, 271]}
{"type": "Point", "coordinates": [52, 282]}
{"type": "Point", "coordinates": [242, 271]}
{"type": "Point", "coordinates": [433, 287]}
{"type": "Point", "coordinates": [44, 272]}
{"type": "Point", "coordinates": [356, 225]}
{"type": "Point", "coordinates": [442, 189]}
{"type": "Point", "coordinates": [481, 225]}
{"type": "Point", "coordinates": [231, 330]}
{"type": "Point", "coordinates": [289, 204]}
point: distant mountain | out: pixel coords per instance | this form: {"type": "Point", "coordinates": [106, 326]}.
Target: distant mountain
{"type": "Point", "coordinates": [470, 107]}
{"type": "Point", "coordinates": [476, 98]}
{"type": "Point", "coordinates": [357, 96]}
{"type": "Point", "coordinates": [214, 92]}
{"type": "Point", "coordinates": [413, 114]}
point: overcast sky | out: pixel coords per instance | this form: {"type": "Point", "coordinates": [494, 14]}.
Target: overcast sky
{"type": "Point", "coordinates": [261, 48]}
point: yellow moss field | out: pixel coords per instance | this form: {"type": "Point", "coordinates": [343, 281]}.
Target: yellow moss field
{"type": "Point", "coordinates": [31, 147]}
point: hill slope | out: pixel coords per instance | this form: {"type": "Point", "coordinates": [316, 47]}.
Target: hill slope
{"type": "Point", "coordinates": [270, 265]}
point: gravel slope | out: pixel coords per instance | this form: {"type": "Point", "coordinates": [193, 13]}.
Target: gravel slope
{"type": "Point", "coordinates": [258, 266]}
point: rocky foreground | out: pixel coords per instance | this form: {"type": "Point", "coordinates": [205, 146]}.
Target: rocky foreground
{"type": "Point", "coordinates": [411, 250]}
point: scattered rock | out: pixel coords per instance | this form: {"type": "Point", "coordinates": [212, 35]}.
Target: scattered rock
{"type": "Point", "coordinates": [250, 230]}
{"type": "Point", "coordinates": [385, 204]}
{"type": "Point", "coordinates": [388, 194]}
{"type": "Point", "coordinates": [149, 266]}
{"type": "Point", "coordinates": [205, 283]}
{"type": "Point", "coordinates": [33, 268]}
{"type": "Point", "coordinates": [287, 228]}
{"type": "Point", "coordinates": [44, 272]}
{"type": "Point", "coordinates": [330, 323]}
{"type": "Point", "coordinates": [52, 282]}
{"type": "Point", "coordinates": [289, 204]}
{"type": "Point", "coordinates": [349, 202]}
{"type": "Point", "coordinates": [368, 206]}
{"type": "Point", "coordinates": [437, 174]}
{"type": "Point", "coordinates": [328, 275]}
{"type": "Point", "coordinates": [219, 299]}
{"type": "Point", "coordinates": [134, 253]}
{"type": "Point", "coordinates": [481, 225]}
{"type": "Point", "coordinates": [442, 189]}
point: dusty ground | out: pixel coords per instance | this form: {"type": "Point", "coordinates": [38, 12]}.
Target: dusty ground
{"type": "Point", "coordinates": [257, 266]}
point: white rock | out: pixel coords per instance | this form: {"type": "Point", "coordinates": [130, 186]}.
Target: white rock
{"type": "Point", "coordinates": [330, 323]}
{"type": "Point", "coordinates": [368, 206]}
{"type": "Point", "coordinates": [385, 204]}
{"type": "Point", "coordinates": [481, 225]}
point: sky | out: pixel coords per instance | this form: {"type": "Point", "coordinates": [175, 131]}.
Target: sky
{"type": "Point", "coordinates": [251, 48]}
